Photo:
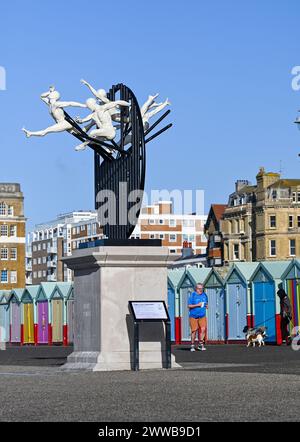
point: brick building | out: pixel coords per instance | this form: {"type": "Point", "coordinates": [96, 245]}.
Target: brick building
{"type": "Point", "coordinates": [12, 236]}
{"type": "Point", "coordinates": [159, 222]}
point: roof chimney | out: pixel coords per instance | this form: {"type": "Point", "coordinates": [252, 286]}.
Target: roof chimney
{"type": "Point", "coordinates": [187, 249]}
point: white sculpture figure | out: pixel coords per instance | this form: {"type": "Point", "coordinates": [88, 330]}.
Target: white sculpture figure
{"type": "Point", "coordinates": [51, 98]}
{"type": "Point", "coordinates": [147, 113]}
{"type": "Point", "coordinates": [151, 104]}
{"type": "Point", "coordinates": [101, 116]}
{"type": "Point", "coordinates": [101, 95]}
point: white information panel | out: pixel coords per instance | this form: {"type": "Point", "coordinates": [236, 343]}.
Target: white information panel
{"type": "Point", "coordinates": [155, 310]}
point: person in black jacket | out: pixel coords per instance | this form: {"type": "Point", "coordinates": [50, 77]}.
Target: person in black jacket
{"type": "Point", "coordinates": [285, 314]}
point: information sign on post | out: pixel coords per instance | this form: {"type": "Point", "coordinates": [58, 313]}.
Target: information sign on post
{"type": "Point", "coordinates": [150, 311]}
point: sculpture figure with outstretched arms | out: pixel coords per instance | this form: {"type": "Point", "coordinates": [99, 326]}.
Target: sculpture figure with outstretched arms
{"type": "Point", "coordinates": [146, 111]}
{"type": "Point", "coordinates": [101, 95]}
{"type": "Point", "coordinates": [115, 162]}
{"type": "Point", "coordinates": [51, 98]}
{"type": "Point", "coordinates": [101, 117]}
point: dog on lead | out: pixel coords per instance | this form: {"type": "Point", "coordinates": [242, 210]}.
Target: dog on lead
{"type": "Point", "coordinates": [255, 335]}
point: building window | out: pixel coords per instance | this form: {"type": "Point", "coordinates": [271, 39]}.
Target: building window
{"type": "Point", "coordinates": [3, 230]}
{"type": "Point", "coordinates": [236, 251]}
{"type": "Point", "coordinates": [152, 236]}
{"type": "Point", "coordinates": [151, 221]}
{"type": "Point", "coordinates": [44, 246]}
{"type": "Point", "coordinates": [44, 273]}
{"type": "Point", "coordinates": [294, 197]}
{"type": "Point", "coordinates": [39, 274]}
{"type": "Point", "coordinates": [291, 221]}
{"type": "Point", "coordinates": [13, 231]}
{"type": "Point", "coordinates": [272, 247]}
{"type": "Point", "coordinates": [161, 236]}
{"type": "Point", "coordinates": [172, 250]}
{"type": "Point", "coordinates": [173, 238]}
{"type": "Point", "coordinates": [13, 253]}
{"type": "Point", "coordinates": [172, 222]}
{"type": "Point", "coordinates": [298, 197]}
{"type": "Point", "coordinates": [34, 261]}
{"type": "Point", "coordinates": [161, 221]}
{"type": "Point", "coordinates": [39, 247]}
{"type": "Point", "coordinates": [13, 276]}
{"type": "Point", "coordinates": [298, 220]}
{"type": "Point", "coordinates": [292, 247]}
{"type": "Point", "coordinates": [2, 209]}
{"type": "Point", "coordinates": [34, 248]}
{"type": "Point", "coordinates": [4, 276]}
{"type": "Point", "coordinates": [82, 228]}
{"type": "Point", "coordinates": [4, 253]}
{"type": "Point", "coordinates": [44, 260]}
{"type": "Point", "coordinates": [74, 230]}
{"type": "Point", "coordinates": [272, 221]}
{"type": "Point", "coordinates": [34, 274]}
{"type": "Point", "coordinates": [274, 194]}
{"type": "Point", "coordinates": [89, 230]}
{"type": "Point", "coordinates": [188, 223]}
{"type": "Point", "coordinates": [10, 211]}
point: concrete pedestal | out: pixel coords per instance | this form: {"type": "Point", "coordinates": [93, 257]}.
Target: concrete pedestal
{"type": "Point", "coordinates": [105, 279]}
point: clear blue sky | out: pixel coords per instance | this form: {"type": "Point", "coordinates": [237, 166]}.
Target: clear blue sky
{"type": "Point", "coordinates": [225, 66]}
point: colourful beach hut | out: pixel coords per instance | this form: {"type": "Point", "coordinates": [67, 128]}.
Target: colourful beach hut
{"type": "Point", "coordinates": [42, 322]}
{"type": "Point", "coordinates": [238, 300]}
{"type": "Point", "coordinates": [65, 290]}
{"type": "Point", "coordinates": [28, 314]}
{"type": "Point", "coordinates": [291, 284]}
{"type": "Point", "coordinates": [174, 277]}
{"type": "Point", "coordinates": [4, 316]}
{"type": "Point", "coordinates": [15, 315]}
{"type": "Point", "coordinates": [70, 316]}
{"type": "Point", "coordinates": [186, 285]}
{"type": "Point", "coordinates": [57, 316]}
{"type": "Point", "coordinates": [266, 280]}
{"type": "Point", "coordinates": [214, 288]}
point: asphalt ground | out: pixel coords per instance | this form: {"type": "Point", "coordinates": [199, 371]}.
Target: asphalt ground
{"type": "Point", "coordinates": [225, 383]}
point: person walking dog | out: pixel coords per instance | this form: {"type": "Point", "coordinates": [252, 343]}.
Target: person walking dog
{"type": "Point", "coordinates": [198, 305]}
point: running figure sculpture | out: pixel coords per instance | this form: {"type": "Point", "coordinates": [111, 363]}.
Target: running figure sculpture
{"type": "Point", "coordinates": [120, 164]}
{"type": "Point", "coordinates": [51, 98]}
{"type": "Point", "coordinates": [101, 116]}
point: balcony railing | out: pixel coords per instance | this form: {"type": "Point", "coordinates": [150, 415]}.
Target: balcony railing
{"type": "Point", "coordinates": [51, 264]}
{"type": "Point", "coordinates": [52, 250]}
{"type": "Point", "coordinates": [52, 278]}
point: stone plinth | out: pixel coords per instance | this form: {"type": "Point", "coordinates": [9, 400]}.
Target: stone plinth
{"type": "Point", "coordinates": [105, 279]}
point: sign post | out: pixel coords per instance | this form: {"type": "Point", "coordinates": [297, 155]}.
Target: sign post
{"type": "Point", "coordinates": [150, 311]}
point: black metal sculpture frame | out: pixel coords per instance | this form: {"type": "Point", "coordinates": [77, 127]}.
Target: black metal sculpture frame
{"type": "Point", "coordinates": [117, 163]}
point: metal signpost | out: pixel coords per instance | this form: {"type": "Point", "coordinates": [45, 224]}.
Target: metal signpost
{"type": "Point", "coordinates": [150, 311]}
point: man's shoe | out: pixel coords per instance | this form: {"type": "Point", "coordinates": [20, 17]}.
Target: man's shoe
{"type": "Point", "coordinates": [193, 348]}
{"type": "Point", "coordinates": [201, 348]}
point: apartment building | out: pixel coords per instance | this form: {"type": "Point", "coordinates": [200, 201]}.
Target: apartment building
{"type": "Point", "coordinates": [52, 240]}
{"type": "Point", "coordinates": [262, 221]}
{"type": "Point", "coordinates": [12, 236]}
{"type": "Point", "coordinates": [158, 221]}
